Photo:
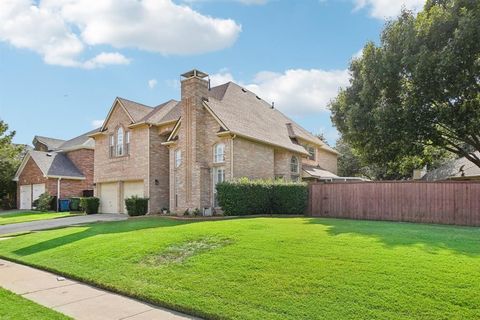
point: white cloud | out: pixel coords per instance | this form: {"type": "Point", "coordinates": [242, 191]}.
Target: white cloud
{"type": "Point", "coordinates": [104, 59]}
{"type": "Point", "coordinates": [385, 9]}
{"type": "Point", "coordinates": [97, 123]}
{"type": "Point", "coordinates": [152, 83]}
{"type": "Point", "coordinates": [223, 76]}
{"type": "Point", "coordinates": [297, 92]}
{"type": "Point", "coordinates": [61, 30]}
{"type": "Point", "coordinates": [253, 2]}
{"type": "Point", "coordinates": [246, 2]}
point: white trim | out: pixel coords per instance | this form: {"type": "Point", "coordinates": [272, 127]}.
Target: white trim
{"type": "Point", "coordinates": [22, 166]}
{"type": "Point", "coordinates": [64, 177]}
{"type": "Point", "coordinates": [175, 129]}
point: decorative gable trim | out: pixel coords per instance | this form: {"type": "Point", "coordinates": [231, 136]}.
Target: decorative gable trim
{"type": "Point", "coordinates": [175, 130]}
{"type": "Point", "coordinates": [111, 112]}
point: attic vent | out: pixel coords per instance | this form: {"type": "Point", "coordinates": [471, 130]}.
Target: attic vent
{"type": "Point", "coordinates": [244, 90]}
{"type": "Point", "coordinates": [258, 98]}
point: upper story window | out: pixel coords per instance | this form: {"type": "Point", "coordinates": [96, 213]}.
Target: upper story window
{"type": "Point", "coordinates": [112, 145]}
{"type": "Point", "coordinates": [311, 152]}
{"type": "Point", "coordinates": [294, 165]}
{"type": "Point", "coordinates": [127, 142]}
{"type": "Point", "coordinates": [219, 153]}
{"type": "Point", "coordinates": [120, 141]}
{"type": "Point", "coordinates": [178, 158]}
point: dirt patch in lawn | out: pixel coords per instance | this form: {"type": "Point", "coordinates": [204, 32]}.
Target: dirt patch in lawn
{"type": "Point", "coordinates": [180, 252]}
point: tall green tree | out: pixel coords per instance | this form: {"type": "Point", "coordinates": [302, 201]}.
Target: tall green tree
{"type": "Point", "coordinates": [9, 161]}
{"type": "Point", "coordinates": [415, 98]}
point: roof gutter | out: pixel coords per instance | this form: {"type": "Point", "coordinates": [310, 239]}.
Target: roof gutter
{"type": "Point", "coordinates": [65, 177]}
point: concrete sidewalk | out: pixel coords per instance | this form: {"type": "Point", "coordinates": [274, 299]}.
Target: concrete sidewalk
{"type": "Point", "coordinates": [59, 222]}
{"type": "Point", "coordinates": [75, 299]}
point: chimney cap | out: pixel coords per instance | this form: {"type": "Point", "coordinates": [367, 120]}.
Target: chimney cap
{"type": "Point", "coordinates": [195, 73]}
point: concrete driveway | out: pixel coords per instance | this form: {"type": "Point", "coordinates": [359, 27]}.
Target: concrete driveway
{"type": "Point", "coordinates": [60, 222]}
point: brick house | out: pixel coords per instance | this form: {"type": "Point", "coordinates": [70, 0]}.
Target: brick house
{"type": "Point", "coordinates": [61, 168]}
{"type": "Point", "coordinates": [176, 152]}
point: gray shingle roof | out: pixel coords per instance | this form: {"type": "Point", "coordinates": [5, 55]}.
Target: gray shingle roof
{"type": "Point", "coordinates": [460, 168]}
{"type": "Point", "coordinates": [246, 114]}
{"type": "Point", "coordinates": [55, 164]}
{"type": "Point", "coordinates": [81, 141]}
{"type": "Point", "coordinates": [159, 113]}
{"type": "Point", "coordinates": [136, 110]}
{"type": "Point", "coordinates": [51, 143]}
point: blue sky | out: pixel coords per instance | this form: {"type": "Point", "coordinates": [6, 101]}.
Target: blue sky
{"type": "Point", "coordinates": [62, 62]}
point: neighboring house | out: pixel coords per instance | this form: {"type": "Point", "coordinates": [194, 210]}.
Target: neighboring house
{"type": "Point", "coordinates": [457, 169]}
{"type": "Point", "coordinates": [56, 166]}
{"type": "Point", "coordinates": [176, 153]}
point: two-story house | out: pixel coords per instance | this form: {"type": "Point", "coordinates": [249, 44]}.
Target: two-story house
{"type": "Point", "coordinates": [175, 153]}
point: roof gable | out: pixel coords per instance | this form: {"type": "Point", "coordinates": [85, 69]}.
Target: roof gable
{"type": "Point", "coordinates": [134, 111]}
{"type": "Point", "coordinates": [50, 143]}
{"type": "Point", "coordinates": [52, 165]}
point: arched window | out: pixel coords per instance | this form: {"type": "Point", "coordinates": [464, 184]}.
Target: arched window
{"type": "Point", "coordinates": [294, 165]}
{"type": "Point", "coordinates": [120, 141]}
{"type": "Point", "coordinates": [219, 153]}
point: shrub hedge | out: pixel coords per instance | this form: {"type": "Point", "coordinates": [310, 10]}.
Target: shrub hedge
{"type": "Point", "coordinates": [89, 205]}
{"type": "Point", "coordinates": [247, 197]}
{"type": "Point", "coordinates": [136, 206]}
{"type": "Point", "coordinates": [44, 202]}
{"type": "Point", "coordinates": [75, 204]}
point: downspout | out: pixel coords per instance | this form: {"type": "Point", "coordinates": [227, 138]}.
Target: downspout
{"type": "Point", "coordinates": [231, 156]}
{"type": "Point", "coordinates": [58, 194]}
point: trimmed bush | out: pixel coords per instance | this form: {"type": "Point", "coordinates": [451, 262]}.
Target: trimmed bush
{"type": "Point", "coordinates": [248, 197]}
{"type": "Point", "coordinates": [44, 202]}
{"type": "Point", "coordinates": [136, 206]}
{"type": "Point", "coordinates": [89, 205]}
{"type": "Point", "coordinates": [75, 204]}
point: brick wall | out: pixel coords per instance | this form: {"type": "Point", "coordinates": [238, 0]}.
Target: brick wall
{"type": "Point", "coordinates": [282, 163]}
{"type": "Point", "coordinates": [83, 160]}
{"type": "Point", "coordinates": [129, 167]}
{"type": "Point", "coordinates": [253, 160]}
{"type": "Point", "coordinates": [159, 171]}
{"type": "Point", "coordinates": [327, 160]}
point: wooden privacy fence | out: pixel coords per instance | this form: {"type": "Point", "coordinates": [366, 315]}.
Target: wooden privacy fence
{"type": "Point", "coordinates": [426, 202]}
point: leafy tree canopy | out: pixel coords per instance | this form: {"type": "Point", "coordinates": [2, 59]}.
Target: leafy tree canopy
{"type": "Point", "coordinates": [415, 98]}
{"type": "Point", "coordinates": [9, 160]}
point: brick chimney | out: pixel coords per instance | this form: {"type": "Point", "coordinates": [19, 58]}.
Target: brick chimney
{"type": "Point", "coordinates": [194, 91]}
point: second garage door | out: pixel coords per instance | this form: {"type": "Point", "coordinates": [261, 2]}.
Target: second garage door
{"type": "Point", "coordinates": [109, 197]}
{"type": "Point", "coordinates": [132, 188]}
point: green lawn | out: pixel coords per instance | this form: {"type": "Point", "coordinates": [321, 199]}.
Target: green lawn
{"type": "Point", "coordinates": [26, 216]}
{"type": "Point", "coordinates": [14, 307]}
{"type": "Point", "coordinates": [272, 268]}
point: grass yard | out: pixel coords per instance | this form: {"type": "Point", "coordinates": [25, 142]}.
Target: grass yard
{"type": "Point", "coordinates": [14, 307]}
{"type": "Point", "coordinates": [272, 268]}
{"type": "Point", "coordinates": [27, 216]}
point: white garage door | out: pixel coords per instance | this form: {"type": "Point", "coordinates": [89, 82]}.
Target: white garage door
{"type": "Point", "coordinates": [132, 188]}
{"type": "Point", "coordinates": [38, 189]}
{"type": "Point", "coordinates": [26, 197]}
{"type": "Point", "coordinates": [109, 197]}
